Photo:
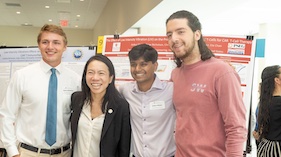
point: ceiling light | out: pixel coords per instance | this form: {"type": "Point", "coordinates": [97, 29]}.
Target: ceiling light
{"type": "Point", "coordinates": [50, 20]}
{"type": "Point", "coordinates": [47, 7]}
{"type": "Point", "coordinates": [76, 26]}
{"type": "Point", "coordinates": [81, 0]}
{"type": "Point", "coordinates": [26, 24]}
{"type": "Point", "coordinates": [18, 12]}
{"type": "Point", "coordinates": [78, 15]}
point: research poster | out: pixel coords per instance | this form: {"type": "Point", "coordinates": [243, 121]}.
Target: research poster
{"type": "Point", "coordinates": [239, 52]}
{"type": "Point", "coordinates": [12, 59]}
{"type": "Point", "coordinates": [117, 50]}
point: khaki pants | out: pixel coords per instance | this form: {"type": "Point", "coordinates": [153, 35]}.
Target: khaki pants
{"type": "Point", "coordinates": [28, 153]}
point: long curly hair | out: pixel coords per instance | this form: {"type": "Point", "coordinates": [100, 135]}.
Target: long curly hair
{"type": "Point", "coordinates": [266, 94]}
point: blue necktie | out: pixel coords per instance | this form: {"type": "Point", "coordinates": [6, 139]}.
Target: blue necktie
{"type": "Point", "coordinates": [51, 124]}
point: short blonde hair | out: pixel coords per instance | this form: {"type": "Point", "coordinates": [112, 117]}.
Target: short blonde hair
{"type": "Point", "coordinates": [53, 29]}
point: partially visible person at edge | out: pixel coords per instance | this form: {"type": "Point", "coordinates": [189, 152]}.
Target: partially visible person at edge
{"type": "Point", "coordinates": [151, 107]}
{"type": "Point", "coordinates": [100, 122]}
{"type": "Point", "coordinates": [255, 132]}
{"type": "Point", "coordinates": [211, 115]}
{"type": "Point", "coordinates": [269, 117]}
{"type": "Point", "coordinates": [24, 109]}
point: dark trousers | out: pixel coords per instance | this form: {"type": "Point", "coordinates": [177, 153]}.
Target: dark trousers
{"type": "Point", "coordinates": [3, 152]}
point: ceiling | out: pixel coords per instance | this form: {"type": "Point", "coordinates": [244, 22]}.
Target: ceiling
{"type": "Point", "coordinates": [235, 17]}
{"type": "Point", "coordinates": [34, 13]}
{"type": "Point", "coordinates": [216, 16]}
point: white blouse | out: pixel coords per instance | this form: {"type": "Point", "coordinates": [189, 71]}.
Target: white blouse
{"type": "Point", "coordinates": [88, 134]}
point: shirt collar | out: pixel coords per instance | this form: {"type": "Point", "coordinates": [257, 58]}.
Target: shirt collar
{"type": "Point", "coordinates": [157, 85]}
{"type": "Point", "coordinates": [46, 67]}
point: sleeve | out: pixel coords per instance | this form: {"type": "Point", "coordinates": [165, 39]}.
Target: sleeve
{"type": "Point", "coordinates": [256, 115]}
{"type": "Point", "coordinates": [253, 121]}
{"type": "Point", "coordinates": [72, 98]}
{"type": "Point", "coordinates": [172, 75]}
{"type": "Point", "coordinates": [73, 118]}
{"type": "Point", "coordinates": [8, 113]}
{"type": "Point", "coordinates": [233, 112]}
{"type": "Point", "coordinates": [120, 89]}
{"type": "Point", "coordinates": [125, 139]}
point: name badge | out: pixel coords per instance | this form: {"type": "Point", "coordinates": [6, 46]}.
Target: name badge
{"type": "Point", "coordinates": [157, 105]}
{"type": "Point", "coordinates": [68, 90]}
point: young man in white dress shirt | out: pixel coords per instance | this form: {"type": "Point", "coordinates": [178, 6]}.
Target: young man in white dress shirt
{"type": "Point", "coordinates": [24, 109]}
{"type": "Point", "coordinates": [151, 107]}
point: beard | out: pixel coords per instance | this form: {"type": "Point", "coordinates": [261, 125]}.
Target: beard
{"type": "Point", "coordinates": [187, 51]}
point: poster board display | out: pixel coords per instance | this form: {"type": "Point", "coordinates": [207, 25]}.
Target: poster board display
{"type": "Point", "coordinates": [117, 50]}
{"type": "Point", "coordinates": [12, 59]}
{"type": "Point", "coordinates": [238, 51]}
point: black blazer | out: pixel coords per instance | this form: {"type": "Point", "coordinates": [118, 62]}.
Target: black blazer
{"type": "Point", "coordinates": [116, 131]}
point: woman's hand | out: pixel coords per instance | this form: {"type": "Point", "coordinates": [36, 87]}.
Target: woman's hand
{"type": "Point", "coordinates": [256, 135]}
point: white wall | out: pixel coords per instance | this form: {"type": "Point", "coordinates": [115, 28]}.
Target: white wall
{"type": "Point", "coordinates": [27, 36]}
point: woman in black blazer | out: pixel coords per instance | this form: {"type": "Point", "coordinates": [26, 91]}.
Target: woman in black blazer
{"type": "Point", "coordinates": [100, 120]}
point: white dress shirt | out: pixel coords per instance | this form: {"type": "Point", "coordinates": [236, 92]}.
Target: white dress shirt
{"type": "Point", "coordinates": [23, 111]}
{"type": "Point", "coordinates": [88, 134]}
{"type": "Point", "coordinates": [152, 119]}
